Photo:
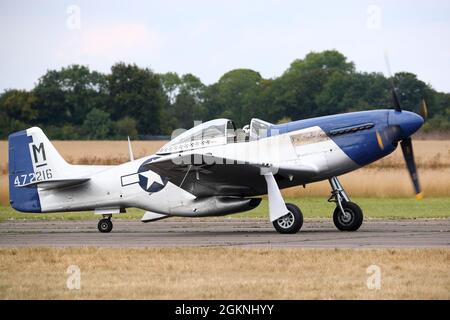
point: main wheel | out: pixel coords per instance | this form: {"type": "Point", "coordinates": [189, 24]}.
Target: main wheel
{"type": "Point", "coordinates": [105, 225]}
{"type": "Point", "coordinates": [351, 219]}
{"type": "Point", "coordinates": [290, 223]}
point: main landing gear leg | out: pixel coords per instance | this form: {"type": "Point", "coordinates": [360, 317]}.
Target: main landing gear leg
{"type": "Point", "coordinates": [347, 216]}
{"type": "Point", "coordinates": [105, 224]}
{"type": "Point", "coordinates": [286, 218]}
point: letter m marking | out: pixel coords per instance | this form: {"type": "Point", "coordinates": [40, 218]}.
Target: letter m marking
{"type": "Point", "coordinates": [39, 151]}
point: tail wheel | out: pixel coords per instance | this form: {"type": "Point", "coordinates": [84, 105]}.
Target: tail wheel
{"type": "Point", "coordinates": [105, 225]}
{"type": "Point", "coordinates": [290, 223]}
{"type": "Point", "coordinates": [349, 220]}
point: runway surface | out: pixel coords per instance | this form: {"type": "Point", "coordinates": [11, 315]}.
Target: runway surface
{"type": "Point", "coordinates": [234, 232]}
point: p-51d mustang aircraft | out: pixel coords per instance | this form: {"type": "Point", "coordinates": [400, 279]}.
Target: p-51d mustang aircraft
{"type": "Point", "coordinates": [214, 169]}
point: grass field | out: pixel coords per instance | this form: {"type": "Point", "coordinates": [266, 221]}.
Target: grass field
{"type": "Point", "coordinates": [224, 273]}
{"type": "Point", "coordinates": [312, 207]}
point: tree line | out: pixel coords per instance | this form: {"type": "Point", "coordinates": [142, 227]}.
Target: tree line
{"type": "Point", "coordinates": [77, 103]}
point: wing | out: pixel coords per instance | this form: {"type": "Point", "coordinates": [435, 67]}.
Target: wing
{"type": "Point", "coordinates": [207, 175]}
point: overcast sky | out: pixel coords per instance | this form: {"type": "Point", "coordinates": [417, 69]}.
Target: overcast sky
{"type": "Point", "coordinates": [209, 38]}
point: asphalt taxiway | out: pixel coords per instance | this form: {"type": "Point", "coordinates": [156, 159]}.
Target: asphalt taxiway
{"type": "Point", "coordinates": [224, 232]}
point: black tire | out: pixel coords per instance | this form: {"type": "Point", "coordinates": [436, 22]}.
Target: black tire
{"type": "Point", "coordinates": [105, 225]}
{"type": "Point", "coordinates": [354, 219]}
{"type": "Point", "coordinates": [290, 223]}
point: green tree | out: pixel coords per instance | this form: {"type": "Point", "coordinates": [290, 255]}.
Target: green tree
{"type": "Point", "coordinates": [442, 103]}
{"type": "Point", "coordinates": [66, 96]}
{"type": "Point", "coordinates": [440, 122]}
{"type": "Point", "coordinates": [188, 104]}
{"type": "Point", "coordinates": [171, 83]}
{"type": "Point", "coordinates": [125, 127]}
{"type": "Point", "coordinates": [235, 95]}
{"type": "Point", "coordinates": [185, 96]}
{"type": "Point", "coordinates": [137, 93]}
{"type": "Point", "coordinates": [351, 92]}
{"type": "Point", "coordinates": [411, 91]}
{"type": "Point", "coordinates": [328, 61]}
{"type": "Point", "coordinates": [18, 111]}
{"type": "Point", "coordinates": [97, 125]}
{"type": "Point", "coordinates": [19, 104]}
{"type": "Point", "coordinates": [294, 94]}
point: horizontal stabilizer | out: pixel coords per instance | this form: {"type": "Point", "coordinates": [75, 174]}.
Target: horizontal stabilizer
{"type": "Point", "coordinates": [53, 184]}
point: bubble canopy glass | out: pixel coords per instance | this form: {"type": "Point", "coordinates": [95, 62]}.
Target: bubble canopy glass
{"type": "Point", "coordinates": [210, 133]}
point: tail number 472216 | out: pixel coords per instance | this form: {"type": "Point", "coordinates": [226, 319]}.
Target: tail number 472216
{"type": "Point", "coordinates": [32, 177]}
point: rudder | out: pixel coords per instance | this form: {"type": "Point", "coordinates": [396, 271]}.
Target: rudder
{"type": "Point", "coordinates": [32, 158]}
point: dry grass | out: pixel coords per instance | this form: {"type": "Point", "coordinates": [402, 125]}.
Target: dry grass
{"type": "Point", "coordinates": [4, 193]}
{"type": "Point", "coordinates": [384, 183]}
{"type": "Point", "coordinates": [385, 178]}
{"type": "Point", "coordinates": [431, 154]}
{"type": "Point", "coordinates": [221, 273]}
{"type": "Point", "coordinates": [92, 152]}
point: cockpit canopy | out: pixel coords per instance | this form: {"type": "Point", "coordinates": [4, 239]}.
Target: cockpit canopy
{"type": "Point", "coordinates": [211, 133]}
{"type": "Point", "coordinates": [214, 133]}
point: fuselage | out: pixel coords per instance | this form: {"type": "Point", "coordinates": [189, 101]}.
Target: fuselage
{"type": "Point", "coordinates": [328, 146]}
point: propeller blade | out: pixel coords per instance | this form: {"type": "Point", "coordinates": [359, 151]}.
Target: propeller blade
{"type": "Point", "coordinates": [408, 154]}
{"type": "Point", "coordinates": [380, 140]}
{"type": "Point", "coordinates": [396, 100]}
{"type": "Point", "coordinates": [423, 111]}
{"type": "Point", "coordinates": [397, 105]}
{"type": "Point", "coordinates": [388, 135]}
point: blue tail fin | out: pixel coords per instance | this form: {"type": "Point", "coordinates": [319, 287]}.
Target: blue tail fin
{"type": "Point", "coordinates": [21, 170]}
